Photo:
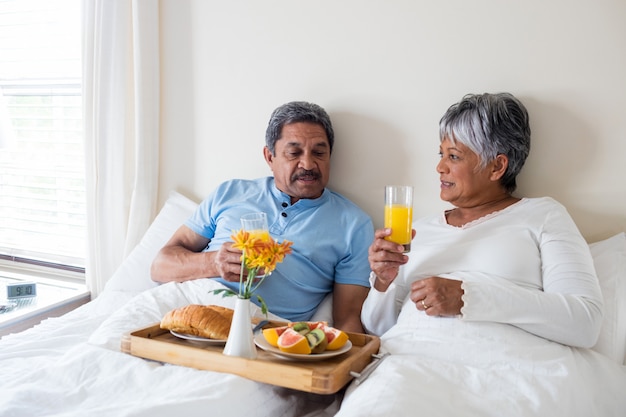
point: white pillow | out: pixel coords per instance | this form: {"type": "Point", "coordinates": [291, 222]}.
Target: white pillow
{"type": "Point", "coordinates": [609, 258]}
{"type": "Point", "coordinates": [134, 273]}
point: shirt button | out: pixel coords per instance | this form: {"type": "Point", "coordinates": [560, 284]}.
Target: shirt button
{"type": "Point", "coordinates": [283, 214]}
{"type": "Point", "coordinates": [285, 204]}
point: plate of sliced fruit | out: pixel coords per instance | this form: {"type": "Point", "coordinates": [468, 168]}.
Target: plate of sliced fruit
{"type": "Point", "coordinates": [304, 341]}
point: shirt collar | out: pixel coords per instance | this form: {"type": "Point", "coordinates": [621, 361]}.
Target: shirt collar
{"type": "Point", "coordinates": [303, 202]}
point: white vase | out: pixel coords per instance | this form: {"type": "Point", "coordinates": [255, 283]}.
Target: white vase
{"type": "Point", "coordinates": [240, 340]}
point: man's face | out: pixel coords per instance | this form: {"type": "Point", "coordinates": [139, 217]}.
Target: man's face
{"type": "Point", "coordinates": [301, 165]}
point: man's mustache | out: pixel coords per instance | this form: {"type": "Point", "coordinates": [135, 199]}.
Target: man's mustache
{"type": "Point", "coordinates": [306, 174]}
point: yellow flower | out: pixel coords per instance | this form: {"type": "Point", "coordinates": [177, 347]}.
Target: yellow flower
{"type": "Point", "coordinates": [243, 240]}
{"type": "Point", "coordinates": [274, 254]}
{"type": "Point", "coordinates": [260, 253]}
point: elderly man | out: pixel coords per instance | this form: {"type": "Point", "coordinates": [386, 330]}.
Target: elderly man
{"type": "Point", "coordinates": [330, 234]}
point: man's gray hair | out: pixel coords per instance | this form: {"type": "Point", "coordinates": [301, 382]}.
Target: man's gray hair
{"type": "Point", "coordinates": [294, 112]}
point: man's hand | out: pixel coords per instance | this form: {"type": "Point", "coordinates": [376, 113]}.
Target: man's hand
{"type": "Point", "coordinates": [227, 262]}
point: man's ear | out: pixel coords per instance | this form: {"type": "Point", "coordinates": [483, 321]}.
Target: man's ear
{"type": "Point", "coordinates": [499, 166]}
{"type": "Point", "coordinates": [269, 158]}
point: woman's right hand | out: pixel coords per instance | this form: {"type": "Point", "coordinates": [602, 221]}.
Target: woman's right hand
{"type": "Point", "coordinates": [385, 259]}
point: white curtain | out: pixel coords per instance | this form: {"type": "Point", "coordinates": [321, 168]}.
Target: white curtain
{"type": "Point", "coordinates": [7, 136]}
{"type": "Point", "coordinates": [121, 123]}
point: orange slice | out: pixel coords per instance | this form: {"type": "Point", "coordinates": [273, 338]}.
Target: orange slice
{"type": "Point", "coordinates": [272, 334]}
{"type": "Point", "coordinates": [336, 338]}
{"type": "Point", "coordinates": [290, 341]}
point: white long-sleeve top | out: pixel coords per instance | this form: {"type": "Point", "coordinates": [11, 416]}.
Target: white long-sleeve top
{"type": "Point", "coordinates": [526, 265]}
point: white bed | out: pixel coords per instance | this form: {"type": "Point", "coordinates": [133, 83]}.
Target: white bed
{"type": "Point", "coordinates": [450, 367]}
{"type": "Point", "coordinates": [72, 365]}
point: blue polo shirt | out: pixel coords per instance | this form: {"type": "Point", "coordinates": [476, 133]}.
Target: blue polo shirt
{"type": "Point", "coordinates": [330, 236]}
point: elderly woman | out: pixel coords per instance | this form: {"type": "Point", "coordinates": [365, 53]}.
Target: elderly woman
{"type": "Point", "coordinates": [493, 257]}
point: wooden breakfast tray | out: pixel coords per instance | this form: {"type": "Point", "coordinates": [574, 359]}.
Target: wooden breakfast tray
{"type": "Point", "coordinates": [320, 377]}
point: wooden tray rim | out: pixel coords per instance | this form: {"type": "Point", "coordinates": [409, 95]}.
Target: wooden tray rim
{"type": "Point", "coordinates": [321, 377]}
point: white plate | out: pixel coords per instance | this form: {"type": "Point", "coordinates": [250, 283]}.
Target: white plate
{"type": "Point", "coordinates": [198, 339]}
{"type": "Point", "coordinates": [260, 341]}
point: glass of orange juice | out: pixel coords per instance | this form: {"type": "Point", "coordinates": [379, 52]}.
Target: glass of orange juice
{"type": "Point", "coordinates": [399, 214]}
{"type": "Point", "coordinates": [256, 224]}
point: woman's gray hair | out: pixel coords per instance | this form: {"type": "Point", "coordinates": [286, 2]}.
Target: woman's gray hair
{"type": "Point", "coordinates": [294, 112]}
{"type": "Point", "coordinates": [489, 125]}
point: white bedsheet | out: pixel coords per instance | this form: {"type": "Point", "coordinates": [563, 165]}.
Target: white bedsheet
{"type": "Point", "coordinates": [451, 367]}
{"type": "Point", "coordinates": [72, 366]}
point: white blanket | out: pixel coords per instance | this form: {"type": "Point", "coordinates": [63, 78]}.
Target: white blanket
{"type": "Point", "coordinates": [72, 366]}
{"type": "Point", "coordinates": [445, 367]}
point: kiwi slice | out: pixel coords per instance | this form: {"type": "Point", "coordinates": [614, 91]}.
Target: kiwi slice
{"type": "Point", "coordinates": [301, 327]}
{"type": "Point", "coordinates": [317, 340]}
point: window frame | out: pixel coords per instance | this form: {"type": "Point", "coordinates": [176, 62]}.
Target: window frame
{"type": "Point", "coordinates": [42, 57]}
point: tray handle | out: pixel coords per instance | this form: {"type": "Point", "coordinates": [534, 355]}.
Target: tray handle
{"type": "Point", "coordinates": [362, 376]}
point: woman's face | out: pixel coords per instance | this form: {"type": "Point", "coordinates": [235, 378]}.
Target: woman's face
{"type": "Point", "coordinates": [463, 183]}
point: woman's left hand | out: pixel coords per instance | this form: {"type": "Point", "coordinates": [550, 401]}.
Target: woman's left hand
{"type": "Point", "coordinates": [437, 296]}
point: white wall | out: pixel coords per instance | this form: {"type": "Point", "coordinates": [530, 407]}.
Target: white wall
{"type": "Point", "coordinates": [386, 71]}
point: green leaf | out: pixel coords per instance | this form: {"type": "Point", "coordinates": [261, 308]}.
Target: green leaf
{"type": "Point", "coordinates": [226, 292]}
{"type": "Point", "coordinates": [263, 305]}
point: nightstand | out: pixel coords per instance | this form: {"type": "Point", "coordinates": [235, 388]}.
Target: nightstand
{"type": "Point", "coordinates": [53, 298]}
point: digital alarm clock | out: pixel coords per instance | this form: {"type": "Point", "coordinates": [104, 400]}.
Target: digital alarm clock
{"type": "Point", "coordinates": [21, 290]}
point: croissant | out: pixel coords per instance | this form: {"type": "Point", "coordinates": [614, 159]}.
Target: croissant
{"type": "Point", "coordinates": [212, 322]}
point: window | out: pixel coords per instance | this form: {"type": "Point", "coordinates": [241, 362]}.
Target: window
{"type": "Point", "coordinates": [42, 168]}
